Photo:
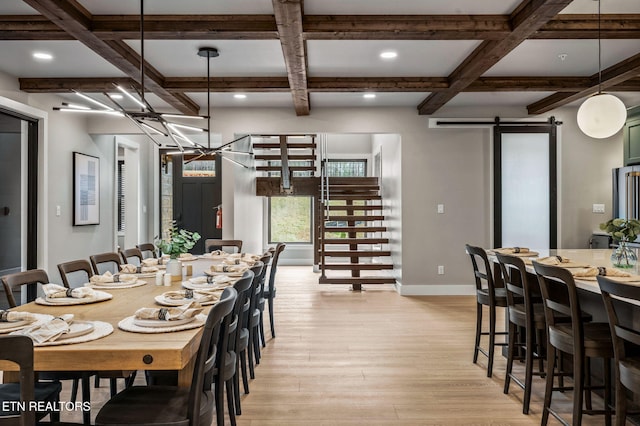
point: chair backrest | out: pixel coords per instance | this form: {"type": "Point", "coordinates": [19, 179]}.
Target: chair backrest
{"type": "Point", "coordinates": [29, 278]}
{"type": "Point", "coordinates": [274, 265]}
{"type": "Point", "coordinates": [211, 244]}
{"type": "Point", "coordinates": [148, 250]}
{"type": "Point", "coordinates": [258, 269]}
{"type": "Point", "coordinates": [481, 269]}
{"type": "Point", "coordinates": [133, 256]}
{"type": "Point", "coordinates": [19, 349]}
{"type": "Point", "coordinates": [104, 262]}
{"type": "Point", "coordinates": [243, 287]}
{"type": "Point", "coordinates": [76, 272]}
{"type": "Point", "coordinates": [211, 355]}
{"type": "Point", "coordinates": [266, 260]}
{"type": "Point", "coordinates": [519, 290]}
{"type": "Point", "coordinates": [626, 336]}
{"type": "Point", "coordinates": [560, 298]}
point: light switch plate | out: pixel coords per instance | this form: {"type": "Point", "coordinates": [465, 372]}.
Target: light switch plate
{"type": "Point", "coordinates": [598, 208]}
{"type": "Point", "coordinates": [441, 208]}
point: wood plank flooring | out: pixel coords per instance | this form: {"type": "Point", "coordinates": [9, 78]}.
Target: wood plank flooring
{"type": "Point", "coordinates": [376, 358]}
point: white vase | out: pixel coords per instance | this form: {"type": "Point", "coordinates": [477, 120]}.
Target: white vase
{"type": "Point", "coordinates": [174, 267]}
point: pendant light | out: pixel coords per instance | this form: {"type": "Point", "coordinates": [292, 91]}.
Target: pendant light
{"type": "Point", "coordinates": [601, 115]}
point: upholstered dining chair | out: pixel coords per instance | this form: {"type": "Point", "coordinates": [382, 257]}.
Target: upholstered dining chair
{"type": "Point", "coordinates": [211, 244]}
{"type": "Point", "coordinates": [19, 349]}
{"type": "Point", "coordinates": [487, 294]}
{"type": "Point", "coordinates": [32, 278]}
{"type": "Point", "coordinates": [148, 250]}
{"type": "Point", "coordinates": [257, 303]}
{"type": "Point", "coordinates": [104, 262]}
{"type": "Point", "coordinates": [525, 312]}
{"type": "Point", "coordinates": [626, 341]}
{"type": "Point", "coordinates": [270, 291]}
{"type": "Point", "coordinates": [80, 272]}
{"type": "Point", "coordinates": [132, 255]}
{"type": "Point", "coordinates": [245, 342]}
{"type": "Point", "coordinates": [582, 340]}
{"type": "Point", "coordinates": [173, 405]}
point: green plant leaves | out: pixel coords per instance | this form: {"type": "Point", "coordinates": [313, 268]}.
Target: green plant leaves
{"type": "Point", "coordinates": [180, 241]}
{"type": "Point", "coordinates": [622, 229]}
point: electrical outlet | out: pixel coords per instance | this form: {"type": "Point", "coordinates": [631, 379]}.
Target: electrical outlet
{"type": "Point", "coordinates": [598, 208]}
{"type": "Point", "coordinates": [440, 269]}
{"type": "Point", "coordinates": [58, 212]}
{"type": "Point", "coordinates": [440, 208]}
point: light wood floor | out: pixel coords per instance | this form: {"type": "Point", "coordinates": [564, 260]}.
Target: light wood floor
{"type": "Point", "coordinates": [376, 358]}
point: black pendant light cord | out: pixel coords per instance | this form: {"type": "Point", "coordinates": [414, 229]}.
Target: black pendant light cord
{"type": "Point", "coordinates": [142, 51]}
{"type": "Point", "coordinates": [599, 53]}
{"type": "Point", "coordinates": [208, 103]}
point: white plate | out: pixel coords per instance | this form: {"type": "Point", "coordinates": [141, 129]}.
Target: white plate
{"type": "Point", "coordinates": [147, 274]}
{"type": "Point", "coordinates": [161, 300]}
{"type": "Point", "coordinates": [161, 323]}
{"type": "Point", "coordinates": [77, 328]}
{"type": "Point", "coordinates": [15, 325]}
{"type": "Point", "coordinates": [227, 274]}
{"type": "Point", "coordinates": [188, 259]}
{"type": "Point", "coordinates": [100, 296]}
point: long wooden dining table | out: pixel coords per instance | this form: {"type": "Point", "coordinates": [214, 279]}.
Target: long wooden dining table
{"type": "Point", "coordinates": [121, 350]}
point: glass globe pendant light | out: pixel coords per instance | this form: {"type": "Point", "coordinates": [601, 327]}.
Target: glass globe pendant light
{"type": "Point", "coordinates": [601, 115]}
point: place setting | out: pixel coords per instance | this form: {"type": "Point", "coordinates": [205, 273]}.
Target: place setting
{"type": "Point", "coordinates": [110, 281]}
{"type": "Point", "coordinates": [57, 295]}
{"type": "Point", "coordinates": [514, 251]}
{"type": "Point", "coordinates": [158, 263]}
{"type": "Point", "coordinates": [209, 282]}
{"type": "Point", "coordinates": [561, 261]}
{"type": "Point", "coordinates": [16, 320]}
{"type": "Point", "coordinates": [64, 330]}
{"type": "Point", "coordinates": [141, 271]}
{"type": "Point", "coordinates": [180, 297]}
{"type": "Point", "coordinates": [591, 274]}
{"type": "Point", "coordinates": [166, 319]}
{"type": "Point", "coordinates": [215, 255]}
{"type": "Point", "coordinates": [228, 270]}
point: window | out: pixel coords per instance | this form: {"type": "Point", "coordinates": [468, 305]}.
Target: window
{"type": "Point", "coordinates": [346, 168]}
{"type": "Point", "coordinates": [290, 219]}
{"type": "Point", "coordinates": [199, 166]}
{"type": "Point", "coordinates": [120, 196]}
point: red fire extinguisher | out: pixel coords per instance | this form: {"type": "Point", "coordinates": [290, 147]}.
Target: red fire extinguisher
{"type": "Point", "coordinates": [219, 217]}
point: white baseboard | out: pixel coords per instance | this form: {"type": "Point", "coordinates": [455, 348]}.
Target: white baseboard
{"type": "Point", "coordinates": [435, 289]}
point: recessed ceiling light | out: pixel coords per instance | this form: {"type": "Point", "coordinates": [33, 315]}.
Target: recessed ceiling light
{"type": "Point", "coordinates": [369, 95]}
{"type": "Point", "coordinates": [43, 56]}
{"type": "Point", "coordinates": [388, 55]}
{"type": "Point", "coordinates": [116, 96]}
{"type": "Point", "coordinates": [240, 96]}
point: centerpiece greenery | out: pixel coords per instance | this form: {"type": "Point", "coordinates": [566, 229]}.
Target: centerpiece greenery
{"type": "Point", "coordinates": [180, 241]}
{"type": "Point", "coordinates": [622, 231]}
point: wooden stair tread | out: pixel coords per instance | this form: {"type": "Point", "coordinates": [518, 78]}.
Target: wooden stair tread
{"type": "Point", "coordinates": [276, 157]}
{"type": "Point", "coordinates": [343, 207]}
{"type": "Point", "coordinates": [358, 266]}
{"type": "Point", "coordinates": [290, 145]}
{"type": "Point", "coordinates": [354, 197]}
{"type": "Point", "coordinates": [355, 253]}
{"type": "Point", "coordinates": [356, 229]}
{"type": "Point", "coordinates": [357, 280]}
{"type": "Point", "coordinates": [278, 168]}
{"type": "Point", "coordinates": [355, 241]}
{"type": "Point", "coordinates": [353, 218]}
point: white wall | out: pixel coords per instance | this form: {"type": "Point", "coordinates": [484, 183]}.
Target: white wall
{"type": "Point", "coordinates": [448, 166]}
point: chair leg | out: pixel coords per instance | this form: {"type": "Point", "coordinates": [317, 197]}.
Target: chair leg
{"type": "Point", "coordinates": [96, 381]}
{"type": "Point", "coordinates": [264, 343]}
{"type": "Point", "coordinates": [243, 369]}
{"type": "Point", "coordinates": [528, 369]}
{"type": "Point", "coordinates": [607, 391]}
{"type": "Point", "coordinates": [74, 390]}
{"type": "Point", "coordinates": [219, 401]}
{"type": "Point", "coordinates": [256, 347]}
{"type": "Point", "coordinates": [478, 332]}
{"type": "Point", "coordinates": [492, 339]}
{"type": "Point", "coordinates": [230, 406]}
{"type": "Point", "coordinates": [271, 320]}
{"type": "Point", "coordinates": [551, 368]}
{"type": "Point", "coordinates": [578, 387]}
{"type": "Point", "coordinates": [86, 398]}
{"type": "Point", "coordinates": [113, 386]}
{"type": "Point", "coordinates": [236, 392]}
{"type": "Point", "coordinates": [587, 384]}
{"type": "Point", "coordinates": [251, 354]}
{"type": "Point", "coordinates": [510, 351]}
{"type": "Point", "coordinates": [621, 403]}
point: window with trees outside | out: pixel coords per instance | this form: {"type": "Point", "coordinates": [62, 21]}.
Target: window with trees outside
{"type": "Point", "coordinates": [290, 219]}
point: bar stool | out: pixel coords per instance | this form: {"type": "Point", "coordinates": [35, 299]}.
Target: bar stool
{"type": "Point", "coordinates": [525, 312]}
{"type": "Point", "coordinates": [486, 295]}
{"type": "Point", "coordinates": [583, 340]}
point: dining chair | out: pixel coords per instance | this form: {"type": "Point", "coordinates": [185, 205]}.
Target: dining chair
{"type": "Point", "coordinates": [257, 302]}
{"type": "Point", "coordinates": [245, 341]}
{"type": "Point", "coordinates": [19, 350]}
{"type": "Point", "coordinates": [173, 405]}
{"type": "Point", "coordinates": [487, 294]}
{"type": "Point", "coordinates": [626, 341]}
{"type": "Point", "coordinates": [148, 250]}
{"type": "Point", "coordinates": [104, 262]}
{"type": "Point", "coordinates": [32, 278]}
{"type": "Point", "coordinates": [270, 291]}
{"type": "Point", "coordinates": [582, 340]}
{"type": "Point", "coordinates": [525, 314]}
{"type": "Point", "coordinates": [211, 244]}
{"type": "Point", "coordinates": [132, 256]}
{"type": "Point", "coordinates": [80, 272]}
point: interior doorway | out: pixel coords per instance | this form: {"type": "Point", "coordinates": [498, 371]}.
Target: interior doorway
{"type": "Point", "coordinates": [128, 200]}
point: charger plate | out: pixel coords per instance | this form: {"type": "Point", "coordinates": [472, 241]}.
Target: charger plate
{"type": "Point", "coordinates": [162, 300]}
{"type": "Point", "coordinates": [128, 324]}
{"type": "Point", "coordinates": [100, 296]}
{"type": "Point", "coordinates": [8, 327]}
{"type": "Point", "coordinates": [100, 329]}
{"type": "Point", "coordinates": [115, 286]}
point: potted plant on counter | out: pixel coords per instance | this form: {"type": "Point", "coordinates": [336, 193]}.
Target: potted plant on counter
{"type": "Point", "coordinates": [180, 241]}
{"type": "Point", "coordinates": [622, 231]}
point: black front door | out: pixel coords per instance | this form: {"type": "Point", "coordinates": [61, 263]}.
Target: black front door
{"type": "Point", "coordinates": [196, 195]}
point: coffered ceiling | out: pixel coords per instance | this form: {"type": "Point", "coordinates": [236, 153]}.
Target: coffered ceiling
{"type": "Point", "coordinates": [538, 54]}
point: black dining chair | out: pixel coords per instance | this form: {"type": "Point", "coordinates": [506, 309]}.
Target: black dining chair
{"type": "Point", "coordinates": [148, 250]}
{"type": "Point", "coordinates": [103, 262]}
{"type": "Point", "coordinates": [132, 256]}
{"type": "Point", "coordinates": [269, 293]}
{"type": "Point", "coordinates": [231, 246]}
{"type": "Point", "coordinates": [257, 307]}
{"type": "Point", "coordinates": [174, 405]}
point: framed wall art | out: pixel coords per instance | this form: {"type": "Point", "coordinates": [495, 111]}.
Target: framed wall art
{"type": "Point", "coordinates": [86, 189]}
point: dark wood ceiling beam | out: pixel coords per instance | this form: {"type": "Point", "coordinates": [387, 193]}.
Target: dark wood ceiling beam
{"type": "Point", "coordinates": [619, 26]}
{"type": "Point", "coordinates": [74, 19]}
{"type": "Point", "coordinates": [30, 27]}
{"type": "Point", "coordinates": [288, 14]}
{"type": "Point", "coordinates": [326, 84]}
{"type": "Point", "coordinates": [189, 27]}
{"type": "Point", "coordinates": [528, 17]}
{"type": "Point", "coordinates": [612, 76]}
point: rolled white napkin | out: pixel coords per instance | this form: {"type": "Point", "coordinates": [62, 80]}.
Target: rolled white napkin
{"type": "Point", "coordinates": [108, 277]}
{"type": "Point", "coordinates": [219, 279]}
{"type": "Point", "coordinates": [128, 268]}
{"type": "Point", "coordinates": [511, 250]}
{"type": "Point", "coordinates": [54, 291]}
{"type": "Point", "coordinates": [229, 268]}
{"type": "Point", "coordinates": [237, 261]}
{"type": "Point", "coordinates": [48, 331]}
{"type": "Point", "coordinates": [553, 260]}
{"type": "Point", "coordinates": [185, 256]}
{"type": "Point", "coordinates": [595, 271]}
{"type": "Point", "coordinates": [218, 253]}
{"type": "Point", "coordinates": [152, 261]}
{"type": "Point", "coordinates": [188, 310]}
{"type": "Point", "coordinates": [201, 295]}
{"type": "Point", "coordinates": [15, 316]}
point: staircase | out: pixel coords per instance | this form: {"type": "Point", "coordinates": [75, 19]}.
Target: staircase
{"type": "Point", "coordinates": [286, 156]}
{"type": "Point", "coordinates": [350, 235]}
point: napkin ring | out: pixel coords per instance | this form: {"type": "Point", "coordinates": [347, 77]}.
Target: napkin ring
{"type": "Point", "coordinates": [162, 314]}
{"type": "Point", "coordinates": [516, 249]}
{"type": "Point", "coordinates": [210, 279]}
{"type": "Point", "coordinates": [116, 278]}
{"type": "Point", "coordinates": [69, 292]}
{"type": "Point", "coordinates": [4, 316]}
{"type": "Point", "coordinates": [188, 294]}
{"type": "Point", "coordinates": [602, 271]}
